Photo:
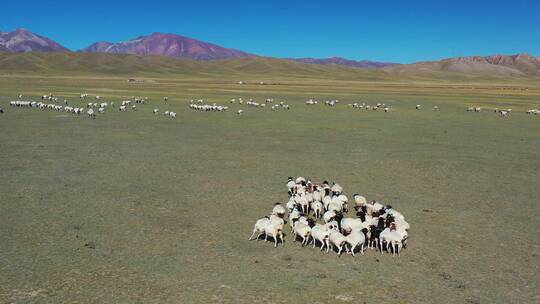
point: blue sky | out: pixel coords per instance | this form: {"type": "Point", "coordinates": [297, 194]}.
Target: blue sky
{"type": "Point", "coordinates": [398, 31]}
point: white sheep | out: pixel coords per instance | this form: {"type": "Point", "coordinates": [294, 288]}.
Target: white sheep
{"type": "Point", "coordinates": [336, 239]}
{"type": "Point", "coordinates": [302, 230]}
{"type": "Point", "coordinates": [329, 216]}
{"type": "Point", "coordinates": [337, 189]}
{"type": "Point", "coordinates": [317, 208]}
{"type": "Point", "coordinates": [156, 111]}
{"type": "Point", "coordinates": [274, 230]}
{"type": "Point", "coordinates": [354, 239]}
{"type": "Point", "coordinates": [279, 210]}
{"type": "Point", "coordinates": [291, 204]}
{"type": "Point", "coordinates": [317, 195]}
{"type": "Point", "coordinates": [327, 199]}
{"type": "Point", "coordinates": [294, 215]}
{"type": "Point", "coordinates": [359, 200]}
{"type": "Point", "coordinates": [258, 230]}
{"type": "Point", "coordinates": [393, 239]}
{"type": "Point", "coordinates": [335, 205]}
{"type": "Point", "coordinates": [351, 224]}
{"type": "Point", "coordinates": [302, 201]}
{"type": "Point", "coordinates": [91, 113]}
{"type": "Point", "coordinates": [321, 234]}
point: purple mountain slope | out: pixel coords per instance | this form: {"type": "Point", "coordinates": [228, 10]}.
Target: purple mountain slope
{"type": "Point", "coordinates": [22, 40]}
{"type": "Point", "coordinates": [168, 45]}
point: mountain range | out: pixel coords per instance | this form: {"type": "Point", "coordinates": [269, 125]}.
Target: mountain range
{"type": "Point", "coordinates": [347, 62]}
{"type": "Point", "coordinates": [22, 40]}
{"type": "Point", "coordinates": [167, 45]}
{"type": "Point", "coordinates": [172, 45]}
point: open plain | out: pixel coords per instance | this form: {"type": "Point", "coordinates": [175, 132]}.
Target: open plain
{"type": "Point", "coordinates": [140, 208]}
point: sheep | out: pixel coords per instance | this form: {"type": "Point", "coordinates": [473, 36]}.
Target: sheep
{"type": "Point", "coordinates": [260, 224]}
{"type": "Point", "coordinates": [1, 110]}
{"type": "Point", "coordinates": [343, 200]}
{"type": "Point", "coordinates": [269, 227]}
{"type": "Point", "coordinates": [336, 239]}
{"type": "Point", "coordinates": [374, 207]}
{"type": "Point", "coordinates": [396, 214]}
{"type": "Point", "coordinates": [294, 214]}
{"type": "Point", "coordinates": [317, 208]}
{"type": "Point", "coordinates": [291, 204]}
{"type": "Point", "coordinates": [351, 224]}
{"type": "Point", "coordinates": [275, 231]}
{"type": "Point", "coordinates": [329, 216]}
{"type": "Point", "coordinates": [317, 194]}
{"type": "Point", "coordinates": [172, 114]}
{"type": "Point", "coordinates": [290, 186]}
{"type": "Point", "coordinates": [393, 239]}
{"type": "Point", "coordinates": [165, 98]}
{"type": "Point", "coordinates": [302, 201]}
{"type": "Point", "coordinates": [91, 113]}
{"type": "Point", "coordinates": [300, 180]}
{"type": "Point", "coordinates": [122, 108]}
{"type": "Point", "coordinates": [320, 233]}
{"type": "Point", "coordinates": [278, 210]}
{"type": "Point", "coordinates": [359, 200]}
{"type": "Point", "coordinates": [277, 220]}
{"type": "Point", "coordinates": [401, 223]}
{"type": "Point", "coordinates": [155, 111]}
{"type": "Point", "coordinates": [354, 239]}
{"type": "Point", "coordinates": [417, 107]}
{"type": "Point", "coordinates": [335, 205]}
{"type": "Point", "coordinates": [101, 110]}
{"type": "Point", "coordinates": [337, 189]}
{"type": "Point", "coordinates": [134, 107]}
{"type": "Point", "coordinates": [303, 230]}
{"type": "Point", "coordinates": [327, 199]}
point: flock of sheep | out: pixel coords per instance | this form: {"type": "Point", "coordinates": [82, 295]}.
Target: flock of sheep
{"type": "Point", "coordinates": [50, 102]}
{"type": "Point", "coordinates": [502, 112]}
{"type": "Point", "coordinates": [254, 104]}
{"type": "Point", "coordinates": [199, 105]}
{"type": "Point", "coordinates": [316, 215]}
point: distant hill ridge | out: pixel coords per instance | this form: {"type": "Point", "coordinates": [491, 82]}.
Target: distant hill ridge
{"type": "Point", "coordinates": [512, 65]}
{"type": "Point", "coordinates": [172, 45]}
{"type": "Point", "coordinates": [342, 61]}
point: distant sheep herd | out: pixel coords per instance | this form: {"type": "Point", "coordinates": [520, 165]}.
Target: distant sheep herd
{"type": "Point", "coordinates": [92, 109]}
{"type": "Point", "coordinates": [316, 215]}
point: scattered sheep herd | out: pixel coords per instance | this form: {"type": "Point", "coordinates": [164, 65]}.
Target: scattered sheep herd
{"type": "Point", "coordinates": [254, 104]}
{"type": "Point", "coordinates": [51, 102]}
{"type": "Point", "coordinates": [502, 112]}
{"type": "Point", "coordinates": [316, 215]}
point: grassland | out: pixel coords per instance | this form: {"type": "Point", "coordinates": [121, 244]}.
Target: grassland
{"type": "Point", "coordinates": [165, 207]}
